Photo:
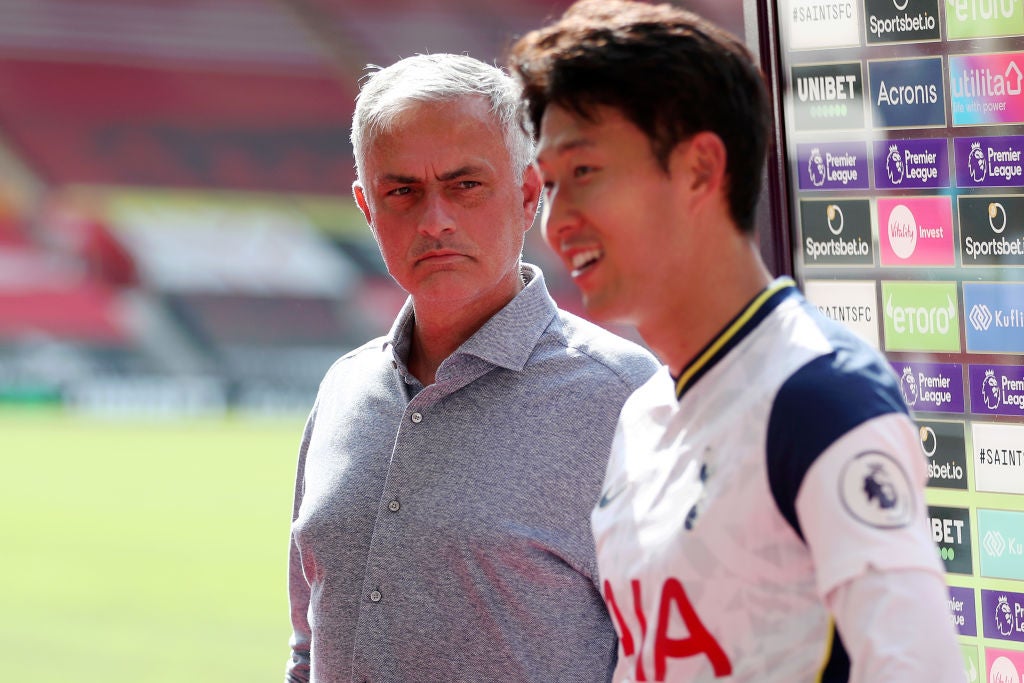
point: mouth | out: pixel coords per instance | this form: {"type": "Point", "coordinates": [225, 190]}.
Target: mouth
{"type": "Point", "coordinates": [582, 261]}
{"type": "Point", "coordinates": [440, 255]}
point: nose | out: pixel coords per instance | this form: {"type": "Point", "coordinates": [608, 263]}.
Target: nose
{"type": "Point", "coordinates": [436, 218]}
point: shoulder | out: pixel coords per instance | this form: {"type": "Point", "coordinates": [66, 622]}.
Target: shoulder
{"type": "Point", "coordinates": [603, 353]}
{"type": "Point", "coordinates": [369, 353]}
{"type": "Point", "coordinates": [822, 400]}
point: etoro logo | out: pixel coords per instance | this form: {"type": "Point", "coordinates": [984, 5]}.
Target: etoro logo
{"type": "Point", "coordinates": [921, 316]}
{"type": "Point", "coordinates": [980, 317]}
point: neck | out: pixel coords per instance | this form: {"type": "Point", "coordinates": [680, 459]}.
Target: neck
{"type": "Point", "coordinates": [699, 310]}
{"type": "Point", "coordinates": [439, 329]}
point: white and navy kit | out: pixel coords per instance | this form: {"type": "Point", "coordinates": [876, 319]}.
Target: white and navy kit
{"type": "Point", "coordinates": [780, 465]}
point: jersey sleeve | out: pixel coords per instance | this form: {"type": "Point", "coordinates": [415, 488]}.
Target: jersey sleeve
{"type": "Point", "coordinates": [845, 468]}
{"type": "Point", "coordinates": [861, 505]}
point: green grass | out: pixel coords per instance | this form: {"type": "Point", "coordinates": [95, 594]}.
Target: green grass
{"type": "Point", "coordinates": [145, 552]}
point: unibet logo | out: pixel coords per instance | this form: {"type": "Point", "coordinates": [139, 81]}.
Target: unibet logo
{"type": "Point", "coordinates": [921, 316]}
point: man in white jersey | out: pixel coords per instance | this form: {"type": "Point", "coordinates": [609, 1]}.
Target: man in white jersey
{"type": "Point", "coordinates": [763, 514]}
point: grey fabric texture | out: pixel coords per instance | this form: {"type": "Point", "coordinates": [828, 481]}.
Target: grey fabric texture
{"type": "Point", "coordinates": [442, 533]}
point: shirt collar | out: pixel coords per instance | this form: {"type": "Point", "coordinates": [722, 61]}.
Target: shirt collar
{"type": "Point", "coordinates": [734, 332]}
{"type": "Point", "coordinates": [506, 340]}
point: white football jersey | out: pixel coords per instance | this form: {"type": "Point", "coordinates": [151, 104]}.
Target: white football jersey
{"type": "Point", "coordinates": [779, 465]}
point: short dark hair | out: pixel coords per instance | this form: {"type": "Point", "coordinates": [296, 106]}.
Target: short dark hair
{"type": "Point", "coordinates": [669, 71]}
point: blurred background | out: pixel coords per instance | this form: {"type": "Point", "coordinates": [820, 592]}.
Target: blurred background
{"type": "Point", "coordinates": [180, 262]}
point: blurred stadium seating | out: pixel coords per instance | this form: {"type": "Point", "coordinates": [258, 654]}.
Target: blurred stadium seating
{"type": "Point", "coordinates": [176, 229]}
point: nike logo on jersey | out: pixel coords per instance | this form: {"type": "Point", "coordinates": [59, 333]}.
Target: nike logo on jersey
{"type": "Point", "coordinates": [607, 497]}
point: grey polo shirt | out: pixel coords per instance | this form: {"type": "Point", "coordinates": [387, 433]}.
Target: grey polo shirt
{"type": "Point", "coordinates": [442, 533]}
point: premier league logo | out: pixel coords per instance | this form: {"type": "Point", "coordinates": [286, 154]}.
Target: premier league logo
{"type": "Point", "coordinates": [908, 387]}
{"type": "Point", "coordinates": [1004, 617]}
{"type": "Point", "coordinates": [816, 168]}
{"type": "Point", "coordinates": [894, 165]}
{"type": "Point", "coordinates": [990, 390]}
{"type": "Point", "coordinates": [976, 163]}
{"type": "Point", "coordinates": [876, 491]}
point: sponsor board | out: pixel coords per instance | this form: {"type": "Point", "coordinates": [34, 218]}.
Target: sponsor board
{"type": "Point", "coordinates": [997, 389]}
{"type": "Point", "coordinates": [832, 166]}
{"type": "Point", "coordinates": [915, 231]}
{"type": "Point", "coordinates": [836, 232]}
{"type": "Point", "coordinates": [998, 457]}
{"type": "Point", "coordinates": [907, 92]}
{"type": "Point", "coordinates": [983, 18]}
{"type": "Point", "coordinates": [991, 231]}
{"type": "Point", "coordinates": [1001, 543]}
{"type": "Point", "coordinates": [828, 96]}
{"type": "Point", "coordinates": [994, 313]}
{"type": "Point", "coordinates": [901, 21]}
{"type": "Point", "coordinates": [972, 663]}
{"type": "Point", "coordinates": [931, 387]}
{"type": "Point", "coordinates": [812, 24]}
{"type": "Point", "coordinates": [1002, 615]}
{"type": "Point", "coordinates": [1003, 666]}
{"type": "Point", "coordinates": [921, 316]}
{"type": "Point", "coordinates": [852, 303]}
{"type": "Point", "coordinates": [986, 89]}
{"type": "Point", "coordinates": [951, 531]}
{"type": "Point", "coordinates": [911, 164]}
{"type": "Point", "coordinates": [962, 610]}
{"type": "Point", "coordinates": [989, 161]}
{"type": "Point", "coordinates": [945, 452]}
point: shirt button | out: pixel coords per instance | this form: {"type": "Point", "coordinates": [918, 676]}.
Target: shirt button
{"type": "Point", "coordinates": [416, 417]}
{"type": "Point", "coordinates": [394, 364]}
{"type": "Point", "coordinates": [375, 596]}
{"type": "Point", "coordinates": [394, 506]}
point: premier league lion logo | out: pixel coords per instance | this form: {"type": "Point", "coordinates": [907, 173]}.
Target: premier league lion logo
{"type": "Point", "coordinates": [816, 168]}
{"type": "Point", "coordinates": [1004, 617]}
{"type": "Point", "coordinates": [908, 387]}
{"type": "Point", "coordinates": [879, 489]}
{"type": "Point", "coordinates": [990, 390]}
{"type": "Point", "coordinates": [894, 165]}
{"type": "Point", "coordinates": [976, 163]}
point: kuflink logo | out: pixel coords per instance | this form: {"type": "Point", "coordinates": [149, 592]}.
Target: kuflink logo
{"type": "Point", "coordinates": [995, 313]}
{"type": "Point", "coordinates": [980, 316]}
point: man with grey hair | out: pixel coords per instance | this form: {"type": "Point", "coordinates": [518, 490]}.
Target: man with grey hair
{"type": "Point", "coordinates": [447, 470]}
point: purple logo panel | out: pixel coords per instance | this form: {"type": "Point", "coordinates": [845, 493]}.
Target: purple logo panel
{"type": "Point", "coordinates": [997, 389]}
{"type": "Point", "coordinates": [912, 164]}
{"type": "Point", "coordinates": [989, 162]}
{"type": "Point", "coordinates": [1002, 615]}
{"type": "Point", "coordinates": [932, 387]}
{"type": "Point", "coordinates": [833, 165]}
{"type": "Point", "coordinates": [962, 610]}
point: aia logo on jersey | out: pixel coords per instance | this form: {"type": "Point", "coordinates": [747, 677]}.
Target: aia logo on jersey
{"type": "Point", "coordinates": [673, 606]}
{"type": "Point", "coordinates": [876, 491]}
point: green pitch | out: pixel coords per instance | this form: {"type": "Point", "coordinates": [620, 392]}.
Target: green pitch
{"type": "Point", "coordinates": [144, 552]}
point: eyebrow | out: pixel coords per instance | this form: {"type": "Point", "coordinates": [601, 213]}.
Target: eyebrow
{"type": "Point", "coordinates": [570, 146]}
{"type": "Point", "coordinates": [468, 169]}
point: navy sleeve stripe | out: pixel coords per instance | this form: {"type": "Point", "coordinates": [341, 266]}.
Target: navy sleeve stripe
{"type": "Point", "coordinates": [817, 405]}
